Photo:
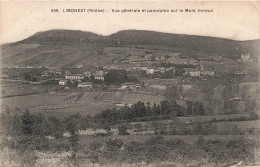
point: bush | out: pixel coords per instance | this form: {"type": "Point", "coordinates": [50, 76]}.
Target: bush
{"type": "Point", "coordinates": [122, 130]}
{"type": "Point", "coordinates": [253, 116]}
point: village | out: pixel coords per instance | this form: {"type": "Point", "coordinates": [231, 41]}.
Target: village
{"type": "Point", "coordinates": [158, 69]}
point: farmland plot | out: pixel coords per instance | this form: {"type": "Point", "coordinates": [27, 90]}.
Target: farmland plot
{"type": "Point", "coordinates": [124, 97]}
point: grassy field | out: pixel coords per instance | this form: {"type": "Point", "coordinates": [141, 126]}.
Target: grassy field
{"type": "Point", "coordinates": [54, 102]}
{"type": "Point", "coordinates": [85, 140]}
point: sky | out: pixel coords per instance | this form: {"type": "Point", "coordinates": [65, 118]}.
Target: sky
{"type": "Point", "coordinates": [232, 20]}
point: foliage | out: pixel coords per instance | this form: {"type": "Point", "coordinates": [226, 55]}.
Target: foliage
{"type": "Point", "coordinates": [122, 130]}
{"type": "Point", "coordinates": [26, 123]}
{"type": "Point", "coordinates": [117, 77]}
{"type": "Point", "coordinates": [112, 150]}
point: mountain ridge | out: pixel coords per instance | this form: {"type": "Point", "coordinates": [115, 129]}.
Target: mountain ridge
{"type": "Point", "coordinates": [75, 46]}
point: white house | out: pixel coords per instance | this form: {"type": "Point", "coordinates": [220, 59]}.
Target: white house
{"type": "Point", "coordinates": [150, 71]}
{"type": "Point", "coordinates": [193, 72]}
{"type": "Point", "coordinates": [246, 58]}
{"type": "Point", "coordinates": [74, 77]}
{"type": "Point", "coordinates": [211, 73]}
{"type": "Point", "coordinates": [99, 75]}
{"type": "Point", "coordinates": [87, 73]}
{"type": "Point", "coordinates": [63, 82]}
{"type": "Point", "coordinates": [99, 78]}
{"type": "Point", "coordinates": [85, 85]}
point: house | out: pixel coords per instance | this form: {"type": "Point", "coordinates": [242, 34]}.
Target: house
{"type": "Point", "coordinates": [160, 69]}
{"type": "Point", "coordinates": [57, 73]}
{"type": "Point", "coordinates": [99, 78]}
{"type": "Point", "coordinates": [148, 56]}
{"type": "Point", "coordinates": [113, 88]}
{"type": "Point", "coordinates": [160, 58]}
{"type": "Point", "coordinates": [190, 61]}
{"type": "Point", "coordinates": [74, 76]}
{"type": "Point", "coordinates": [85, 85]}
{"type": "Point", "coordinates": [150, 71]}
{"type": "Point", "coordinates": [130, 86]}
{"type": "Point", "coordinates": [87, 73]}
{"type": "Point", "coordinates": [169, 68]}
{"type": "Point", "coordinates": [80, 66]}
{"type": "Point", "coordinates": [63, 82]}
{"type": "Point", "coordinates": [206, 70]}
{"type": "Point", "coordinates": [209, 73]}
{"type": "Point", "coordinates": [240, 72]}
{"type": "Point", "coordinates": [193, 72]}
{"type": "Point", "coordinates": [246, 58]}
{"type": "Point", "coordinates": [99, 75]}
{"type": "Point", "coordinates": [46, 74]}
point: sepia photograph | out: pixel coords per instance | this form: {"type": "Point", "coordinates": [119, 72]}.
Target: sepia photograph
{"type": "Point", "coordinates": [129, 84]}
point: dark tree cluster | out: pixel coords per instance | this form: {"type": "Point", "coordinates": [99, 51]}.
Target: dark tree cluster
{"type": "Point", "coordinates": [195, 108]}
{"type": "Point", "coordinates": [117, 77]}
{"type": "Point", "coordinates": [29, 131]}
{"type": "Point", "coordinates": [139, 110]}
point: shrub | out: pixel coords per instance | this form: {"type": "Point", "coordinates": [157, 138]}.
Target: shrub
{"type": "Point", "coordinates": [122, 130]}
{"type": "Point", "coordinates": [253, 115]}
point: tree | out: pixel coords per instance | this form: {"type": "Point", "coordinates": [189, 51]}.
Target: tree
{"type": "Point", "coordinates": [189, 107]}
{"type": "Point", "coordinates": [72, 126]}
{"type": "Point", "coordinates": [122, 130]}
{"type": "Point", "coordinates": [116, 77]}
{"type": "Point", "coordinates": [249, 105]}
{"type": "Point", "coordinates": [253, 115]}
{"type": "Point", "coordinates": [169, 107]}
{"type": "Point", "coordinates": [112, 149]}
{"type": "Point", "coordinates": [126, 113]}
{"type": "Point", "coordinates": [54, 127]}
{"type": "Point", "coordinates": [139, 109]}
{"type": "Point", "coordinates": [26, 123]}
{"type": "Point", "coordinates": [149, 109]}
{"type": "Point", "coordinates": [198, 108]}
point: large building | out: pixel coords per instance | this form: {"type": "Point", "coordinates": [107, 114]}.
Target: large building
{"type": "Point", "coordinates": [74, 77]}
{"type": "Point", "coordinates": [193, 72]}
{"type": "Point", "coordinates": [85, 85]}
{"type": "Point", "coordinates": [99, 75]}
{"type": "Point", "coordinates": [246, 58]}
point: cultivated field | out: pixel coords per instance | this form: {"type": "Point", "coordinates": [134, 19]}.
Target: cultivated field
{"type": "Point", "coordinates": [47, 99]}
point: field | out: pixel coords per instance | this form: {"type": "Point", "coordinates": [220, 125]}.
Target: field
{"type": "Point", "coordinates": [48, 99]}
{"type": "Point", "coordinates": [85, 140]}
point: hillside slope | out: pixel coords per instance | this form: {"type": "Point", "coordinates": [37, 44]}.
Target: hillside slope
{"type": "Point", "coordinates": [68, 48]}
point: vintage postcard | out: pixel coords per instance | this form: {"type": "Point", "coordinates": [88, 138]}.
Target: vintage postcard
{"type": "Point", "coordinates": [129, 84]}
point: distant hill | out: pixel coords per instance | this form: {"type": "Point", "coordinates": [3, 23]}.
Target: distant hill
{"type": "Point", "coordinates": [196, 43]}
{"type": "Point", "coordinates": [66, 36]}
{"type": "Point", "coordinates": [68, 48]}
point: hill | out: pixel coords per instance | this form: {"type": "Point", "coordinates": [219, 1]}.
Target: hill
{"type": "Point", "coordinates": [68, 48]}
{"type": "Point", "coordinates": [191, 42]}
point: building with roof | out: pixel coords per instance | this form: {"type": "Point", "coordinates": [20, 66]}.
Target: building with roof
{"type": "Point", "coordinates": [85, 85]}
{"type": "Point", "coordinates": [193, 72]}
{"type": "Point", "coordinates": [63, 82]}
{"type": "Point", "coordinates": [74, 76]}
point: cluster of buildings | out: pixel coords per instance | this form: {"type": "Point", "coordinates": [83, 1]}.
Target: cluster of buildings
{"type": "Point", "coordinates": [200, 71]}
{"type": "Point", "coordinates": [245, 58]}
{"type": "Point", "coordinates": [97, 75]}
